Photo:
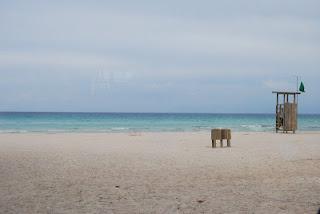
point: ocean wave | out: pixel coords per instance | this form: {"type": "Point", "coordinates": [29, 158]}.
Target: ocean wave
{"type": "Point", "coordinates": [256, 127]}
{"type": "Point", "coordinates": [119, 128]}
{"type": "Point", "coordinates": [13, 131]}
{"type": "Point", "coordinates": [314, 128]}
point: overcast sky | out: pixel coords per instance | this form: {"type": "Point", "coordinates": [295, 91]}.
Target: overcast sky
{"type": "Point", "coordinates": [157, 56]}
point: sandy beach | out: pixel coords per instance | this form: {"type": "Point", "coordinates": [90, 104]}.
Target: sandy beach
{"type": "Point", "coordinates": [159, 173]}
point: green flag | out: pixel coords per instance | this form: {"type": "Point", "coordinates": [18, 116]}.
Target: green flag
{"type": "Point", "coordinates": [301, 88]}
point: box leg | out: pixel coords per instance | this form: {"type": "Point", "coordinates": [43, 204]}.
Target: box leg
{"type": "Point", "coordinates": [228, 143]}
{"type": "Point", "coordinates": [221, 143]}
{"type": "Point", "coordinates": [213, 143]}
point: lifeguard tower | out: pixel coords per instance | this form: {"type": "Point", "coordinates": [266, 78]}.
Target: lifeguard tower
{"type": "Point", "coordinates": [286, 111]}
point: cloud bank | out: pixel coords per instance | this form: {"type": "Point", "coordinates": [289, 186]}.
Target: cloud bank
{"type": "Point", "coordinates": [168, 56]}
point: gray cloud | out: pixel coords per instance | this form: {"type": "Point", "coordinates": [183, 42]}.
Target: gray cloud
{"type": "Point", "coordinates": [177, 51]}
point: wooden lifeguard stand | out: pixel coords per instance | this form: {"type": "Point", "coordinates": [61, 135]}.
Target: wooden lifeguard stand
{"type": "Point", "coordinates": [286, 111]}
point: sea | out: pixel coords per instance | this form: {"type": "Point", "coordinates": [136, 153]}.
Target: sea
{"type": "Point", "coordinates": [47, 122]}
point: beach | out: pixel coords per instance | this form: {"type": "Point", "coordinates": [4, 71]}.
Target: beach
{"type": "Point", "coordinates": [159, 172]}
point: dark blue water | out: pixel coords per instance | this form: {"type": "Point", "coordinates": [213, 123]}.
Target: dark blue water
{"type": "Point", "coordinates": [159, 122]}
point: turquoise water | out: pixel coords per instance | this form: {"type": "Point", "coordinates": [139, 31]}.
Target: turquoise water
{"type": "Point", "coordinates": [123, 122]}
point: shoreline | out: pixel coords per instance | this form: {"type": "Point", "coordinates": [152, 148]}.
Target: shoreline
{"type": "Point", "coordinates": [157, 132]}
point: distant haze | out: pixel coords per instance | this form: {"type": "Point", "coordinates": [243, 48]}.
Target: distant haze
{"type": "Point", "coordinates": [157, 56]}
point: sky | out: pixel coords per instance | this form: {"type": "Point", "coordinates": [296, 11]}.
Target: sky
{"type": "Point", "coordinates": [157, 56]}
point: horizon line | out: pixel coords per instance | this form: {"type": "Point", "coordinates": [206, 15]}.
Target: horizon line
{"type": "Point", "coordinates": [101, 112]}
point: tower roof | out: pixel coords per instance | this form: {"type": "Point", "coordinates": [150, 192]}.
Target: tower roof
{"type": "Point", "coordinates": [286, 92]}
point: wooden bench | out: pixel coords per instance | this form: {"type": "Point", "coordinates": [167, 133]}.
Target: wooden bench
{"type": "Point", "coordinates": [220, 134]}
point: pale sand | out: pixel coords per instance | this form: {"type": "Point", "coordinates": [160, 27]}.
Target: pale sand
{"type": "Point", "coordinates": [159, 173]}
